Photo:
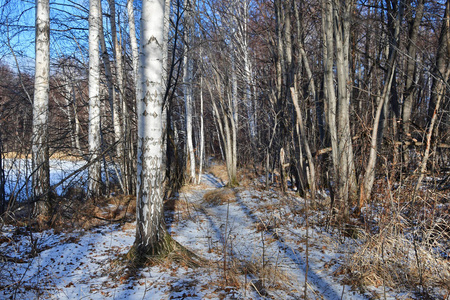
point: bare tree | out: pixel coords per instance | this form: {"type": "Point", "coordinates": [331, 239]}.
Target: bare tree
{"type": "Point", "coordinates": [41, 172]}
{"type": "Point", "coordinates": [336, 30]}
{"type": "Point", "coordinates": [188, 73]}
{"type": "Point", "coordinates": [94, 97]}
{"type": "Point", "coordinates": [441, 73]}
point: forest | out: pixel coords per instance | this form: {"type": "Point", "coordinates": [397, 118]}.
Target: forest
{"type": "Point", "coordinates": [225, 149]}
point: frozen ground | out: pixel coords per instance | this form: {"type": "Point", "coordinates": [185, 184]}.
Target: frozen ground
{"type": "Point", "coordinates": [18, 176]}
{"type": "Point", "coordinates": [254, 242]}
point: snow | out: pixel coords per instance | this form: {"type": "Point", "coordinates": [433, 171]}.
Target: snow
{"type": "Point", "coordinates": [255, 228]}
{"type": "Point", "coordinates": [18, 175]}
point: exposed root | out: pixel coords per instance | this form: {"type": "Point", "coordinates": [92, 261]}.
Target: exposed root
{"type": "Point", "coordinates": [166, 251]}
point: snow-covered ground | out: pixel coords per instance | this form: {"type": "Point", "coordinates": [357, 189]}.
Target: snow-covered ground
{"type": "Point", "coordinates": [18, 176]}
{"type": "Point", "coordinates": [254, 244]}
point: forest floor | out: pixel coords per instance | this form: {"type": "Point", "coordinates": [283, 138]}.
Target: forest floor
{"type": "Point", "coordinates": [254, 244]}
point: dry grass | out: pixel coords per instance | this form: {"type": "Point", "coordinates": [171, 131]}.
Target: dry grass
{"type": "Point", "coordinates": [219, 170]}
{"type": "Point", "coordinates": [219, 196]}
{"type": "Point", "coordinates": [56, 155]}
{"type": "Point", "coordinates": [262, 277]}
{"type": "Point", "coordinates": [392, 260]}
{"type": "Point", "coordinates": [89, 214]}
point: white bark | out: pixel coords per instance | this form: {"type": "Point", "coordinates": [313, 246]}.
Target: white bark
{"type": "Point", "coordinates": [330, 98]}
{"type": "Point", "coordinates": [188, 92]}
{"type": "Point", "coordinates": [118, 102]}
{"type": "Point", "coordinates": [94, 96]}
{"type": "Point", "coordinates": [128, 118]}
{"type": "Point", "coordinates": [150, 228]}
{"type": "Point", "coordinates": [202, 134]}
{"type": "Point", "coordinates": [41, 180]}
{"type": "Point", "coordinates": [251, 114]}
{"type": "Point", "coordinates": [133, 41]}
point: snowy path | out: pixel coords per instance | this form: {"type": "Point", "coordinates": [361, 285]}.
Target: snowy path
{"type": "Point", "coordinates": [278, 247]}
{"type": "Point", "coordinates": [265, 257]}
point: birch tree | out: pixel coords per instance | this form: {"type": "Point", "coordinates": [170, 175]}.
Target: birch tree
{"type": "Point", "coordinates": [94, 97]}
{"type": "Point", "coordinates": [151, 234]}
{"type": "Point", "coordinates": [40, 160]}
{"type": "Point", "coordinates": [188, 70]}
{"type": "Point", "coordinates": [117, 102]}
{"type": "Point", "coordinates": [129, 179]}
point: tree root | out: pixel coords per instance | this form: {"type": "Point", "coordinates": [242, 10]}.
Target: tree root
{"type": "Point", "coordinates": [166, 250]}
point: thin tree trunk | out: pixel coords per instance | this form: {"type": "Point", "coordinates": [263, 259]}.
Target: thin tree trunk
{"type": "Point", "coordinates": [347, 175]}
{"type": "Point", "coordinates": [410, 87]}
{"type": "Point", "coordinates": [369, 176]}
{"type": "Point", "coordinates": [441, 74]}
{"type": "Point", "coordinates": [118, 102]}
{"type": "Point", "coordinates": [94, 97]}
{"type": "Point", "coordinates": [131, 162]}
{"type": "Point", "coordinates": [40, 161]}
{"type": "Point", "coordinates": [202, 134]}
{"type": "Point", "coordinates": [311, 83]}
{"type": "Point", "coordinates": [330, 96]}
{"type": "Point", "coordinates": [312, 171]}
{"type": "Point", "coordinates": [188, 92]}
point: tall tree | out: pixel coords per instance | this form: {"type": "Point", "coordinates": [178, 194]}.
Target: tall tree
{"type": "Point", "coordinates": [94, 97]}
{"type": "Point", "coordinates": [151, 233]}
{"type": "Point", "coordinates": [336, 30]}
{"type": "Point", "coordinates": [188, 74]}
{"type": "Point", "coordinates": [117, 101]}
{"type": "Point", "coordinates": [129, 144]}
{"type": "Point", "coordinates": [41, 173]}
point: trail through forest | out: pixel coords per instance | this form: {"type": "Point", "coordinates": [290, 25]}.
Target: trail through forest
{"type": "Point", "coordinates": [253, 242]}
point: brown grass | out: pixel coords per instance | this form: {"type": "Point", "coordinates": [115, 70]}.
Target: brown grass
{"type": "Point", "coordinates": [219, 196]}
{"type": "Point", "coordinates": [56, 155]}
{"type": "Point", "coordinates": [259, 276]}
{"type": "Point", "coordinates": [390, 259]}
{"type": "Point", "coordinates": [90, 214]}
{"type": "Point", "coordinates": [219, 170]}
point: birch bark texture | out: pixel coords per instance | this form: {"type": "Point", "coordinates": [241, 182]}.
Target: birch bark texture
{"type": "Point", "coordinates": [150, 227]}
{"type": "Point", "coordinates": [40, 156]}
{"type": "Point", "coordinates": [188, 70]}
{"type": "Point", "coordinates": [94, 97]}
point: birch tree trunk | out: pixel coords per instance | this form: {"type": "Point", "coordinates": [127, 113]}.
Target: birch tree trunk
{"type": "Point", "coordinates": [94, 98]}
{"type": "Point", "coordinates": [188, 92]}
{"type": "Point", "coordinates": [133, 41]}
{"type": "Point", "coordinates": [202, 134]}
{"type": "Point", "coordinates": [117, 103]}
{"type": "Point", "coordinates": [151, 233]}
{"type": "Point", "coordinates": [131, 180]}
{"type": "Point", "coordinates": [40, 155]}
